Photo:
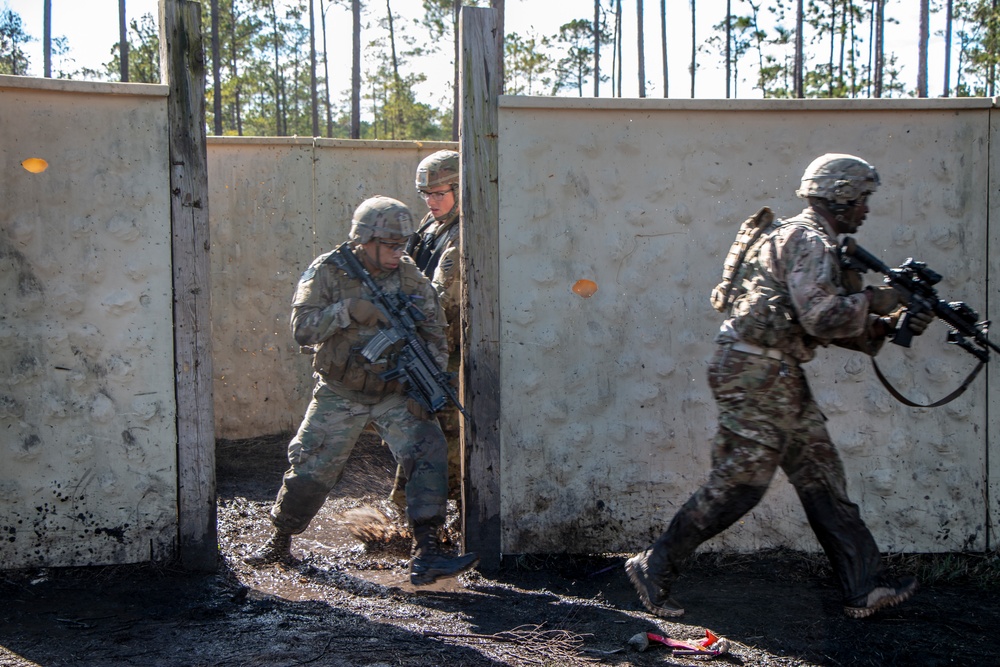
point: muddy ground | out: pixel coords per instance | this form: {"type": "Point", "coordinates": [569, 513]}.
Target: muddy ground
{"type": "Point", "coordinates": [342, 604]}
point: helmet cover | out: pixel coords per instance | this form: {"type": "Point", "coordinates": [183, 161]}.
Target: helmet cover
{"type": "Point", "coordinates": [440, 168]}
{"type": "Point", "coordinates": [838, 178]}
{"type": "Point", "coordinates": [381, 217]}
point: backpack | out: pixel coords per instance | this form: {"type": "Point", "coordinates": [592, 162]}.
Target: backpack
{"type": "Point", "coordinates": [750, 236]}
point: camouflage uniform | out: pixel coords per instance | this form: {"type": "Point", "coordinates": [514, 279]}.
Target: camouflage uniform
{"type": "Point", "coordinates": [349, 395]}
{"type": "Point", "coordinates": [795, 299]}
{"type": "Point", "coordinates": [434, 249]}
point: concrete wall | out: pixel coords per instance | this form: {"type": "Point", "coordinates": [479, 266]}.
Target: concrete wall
{"type": "Point", "coordinates": [87, 406]}
{"type": "Point", "coordinates": [607, 416]}
{"type": "Point", "coordinates": [274, 205]}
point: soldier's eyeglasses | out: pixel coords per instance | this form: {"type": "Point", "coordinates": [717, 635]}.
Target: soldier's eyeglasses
{"type": "Point", "coordinates": [436, 196]}
{"type": "Point", "coordinates": [397, 248]}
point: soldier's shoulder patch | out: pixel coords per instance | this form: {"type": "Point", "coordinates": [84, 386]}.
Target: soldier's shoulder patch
{"type": "Point", "coordinates": [308, 273]}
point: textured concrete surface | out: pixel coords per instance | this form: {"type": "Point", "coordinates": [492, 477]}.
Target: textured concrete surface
{"type": "Point", "coordinates": [607, 416]}
{"type": "Point", "coordinates": [86, 344]}
{"type": "Point", "coordinates": [275, 204]}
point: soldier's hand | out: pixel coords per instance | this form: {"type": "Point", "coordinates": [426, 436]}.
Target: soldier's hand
{"type": "Point", "coordinates": [882, 300]}
{"type": "Point", "coordinates": [364, 312]}
{"type": "Point", "coordinates": [852, 281]}
{"type": "Point", "coordinates": [919, 321]}
{"type": "Point", "coordinates": [417, 410]}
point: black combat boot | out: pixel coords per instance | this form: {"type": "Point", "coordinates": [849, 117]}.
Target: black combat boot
{"type": "Point", "coordinates": [429, 562]}
{"type": "Point", "coordinates": [277, 549]}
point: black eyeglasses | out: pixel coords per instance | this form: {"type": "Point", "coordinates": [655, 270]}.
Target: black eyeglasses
{"type": "Point", "coordinates": [436, 196]}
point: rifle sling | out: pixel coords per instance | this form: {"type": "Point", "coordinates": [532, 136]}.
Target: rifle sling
{"type": "Point", "coordinates": [947, 399]}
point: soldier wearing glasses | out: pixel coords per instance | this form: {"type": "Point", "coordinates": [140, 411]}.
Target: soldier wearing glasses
{"type": "Point", "coordinates": [434, 249]}
{"type": "Point", "coordinates": [332, 315]}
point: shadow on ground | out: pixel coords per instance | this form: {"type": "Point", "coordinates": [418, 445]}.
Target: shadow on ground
{"type": "Point", "coordinates": [342, 604]}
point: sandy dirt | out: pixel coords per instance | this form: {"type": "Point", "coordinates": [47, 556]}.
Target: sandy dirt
{"type": "Point", "coordinates": [342, 603]}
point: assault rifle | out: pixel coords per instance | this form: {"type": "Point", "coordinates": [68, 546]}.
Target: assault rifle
{"type": "Point", "coordinates": [424, 380]}
{"type": "Point", "coordinates": [915, 283]}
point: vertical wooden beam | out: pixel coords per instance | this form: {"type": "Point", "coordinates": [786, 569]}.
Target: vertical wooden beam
{"type": "Point", "coordinates": [991, 435]}
{"type": "Point", "coordinates": [182, 67]}
{"type": "Point", "coordinates": [480, 89]}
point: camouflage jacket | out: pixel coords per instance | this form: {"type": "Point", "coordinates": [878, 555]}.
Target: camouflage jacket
{"type": "Point", "coordinates": [435, 250]}
{"type": "Point", "coordinates": [796, 297]}
{"type": "Point", "coordinates": [320, 320]}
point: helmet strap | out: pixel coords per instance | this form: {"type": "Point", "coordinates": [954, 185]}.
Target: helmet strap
{"type": "Point", "coordinates": [372, 261]}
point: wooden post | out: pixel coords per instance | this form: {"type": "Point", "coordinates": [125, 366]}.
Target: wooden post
{"type": "Point", "coordinates": [182, 67]}
{"type": "Point", "coordinates": [480, 89]}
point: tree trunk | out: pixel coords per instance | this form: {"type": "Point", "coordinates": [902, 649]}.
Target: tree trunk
{"type": "Point", "coordinates": [216, 76]}
{"type": "Point", "coordinates": [694, 46]}
{"type": "Point", "coordinates": [642, 48]}
{"type": "Point", "coordinates": [234, 71]}
{"type": "Point", "coordinates": [618, 29]}
{"type": "Point", "coordinates": [799, 56]}
{"type": "Point", "coordinates": [356, 70]}
{"type": "Point", "coordinates": [949, 17]}
{"type": "Point", "coordinates": [925, 18]}
{"type": "Point", "coordinates": [122, 39]}
{"type": "Point", "coordinates": [498, 5]}
{"type": "Point", "coordinates": [833, 45]}
{"type": "Point", "coordinates": [854, 64]}
{"type": "Point", "coordinates": [597, 48]}
{"type": "Point", "coordinates": [991, 77]}
{"type": "Point", "coordinates": [729, 47]}
{"type": "Point", "coordinates": [47, 36]}
{"type": "Point", "coordinates": [879, 45]}
{"type": "Point", "coordinates": [313, 94]}
{"type": "Point", "coordinates": [871, 49]}
{"type": "Point", "coordinates": [397, 82]}
{"type": "Point", "coordinates": [663, 46]}
{"type": "Point", "coordinates": [277, 73]}
{"type": "Point", "coordinates": [843, 45]}
{"type": "Point", "coordinates": [326, 70]}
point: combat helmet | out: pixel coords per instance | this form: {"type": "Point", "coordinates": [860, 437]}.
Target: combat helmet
{"type": "Point", "coordinates": [381, 217]}
{"type": "Point", "coordinates": [440, 168]}
{"type": "Point", "coordinates": [838, 178]}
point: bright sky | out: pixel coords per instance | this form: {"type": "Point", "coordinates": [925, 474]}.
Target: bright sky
{"type": "Point", "coordinates": [91, 27]}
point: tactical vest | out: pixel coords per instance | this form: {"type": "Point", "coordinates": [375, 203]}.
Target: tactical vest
{"type": "Point", "coordinates": [338, 359]}
{"type": "Point", "coordinates": [426, 247]}
{"type": "Point", "coordinates": [759, 306]}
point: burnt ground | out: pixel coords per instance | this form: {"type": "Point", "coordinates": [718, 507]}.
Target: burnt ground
{"type": "Point", "coordinates": [343, 604]}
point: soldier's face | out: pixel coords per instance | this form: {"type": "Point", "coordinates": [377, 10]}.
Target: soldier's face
{"type": "Point", "coordinates": [384, 254]}
{"type": "Point", "coordinates": [854, 217]}
{"type": "Point", "coordinates": [440, 200]}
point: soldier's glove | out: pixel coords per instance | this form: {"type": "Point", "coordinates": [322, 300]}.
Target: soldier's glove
{"type": "Point", "coordinates": [882, 300]}
{"type": "Point", "coordinates": [364, 312]}
{"type": "Point", "coordinates": [919, 321]}
{"type": "Point", "coordinates": [417, 410]}
{"type": "Point", "coordinates": [852, 281]}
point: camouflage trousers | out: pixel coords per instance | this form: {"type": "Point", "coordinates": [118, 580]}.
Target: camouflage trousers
{"type": "Point", "coordinates": [768, 419]}
{"type": "Point", "coordinates": [331, 427]}
{"type": "Point", "coordinates": [450, 420]}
